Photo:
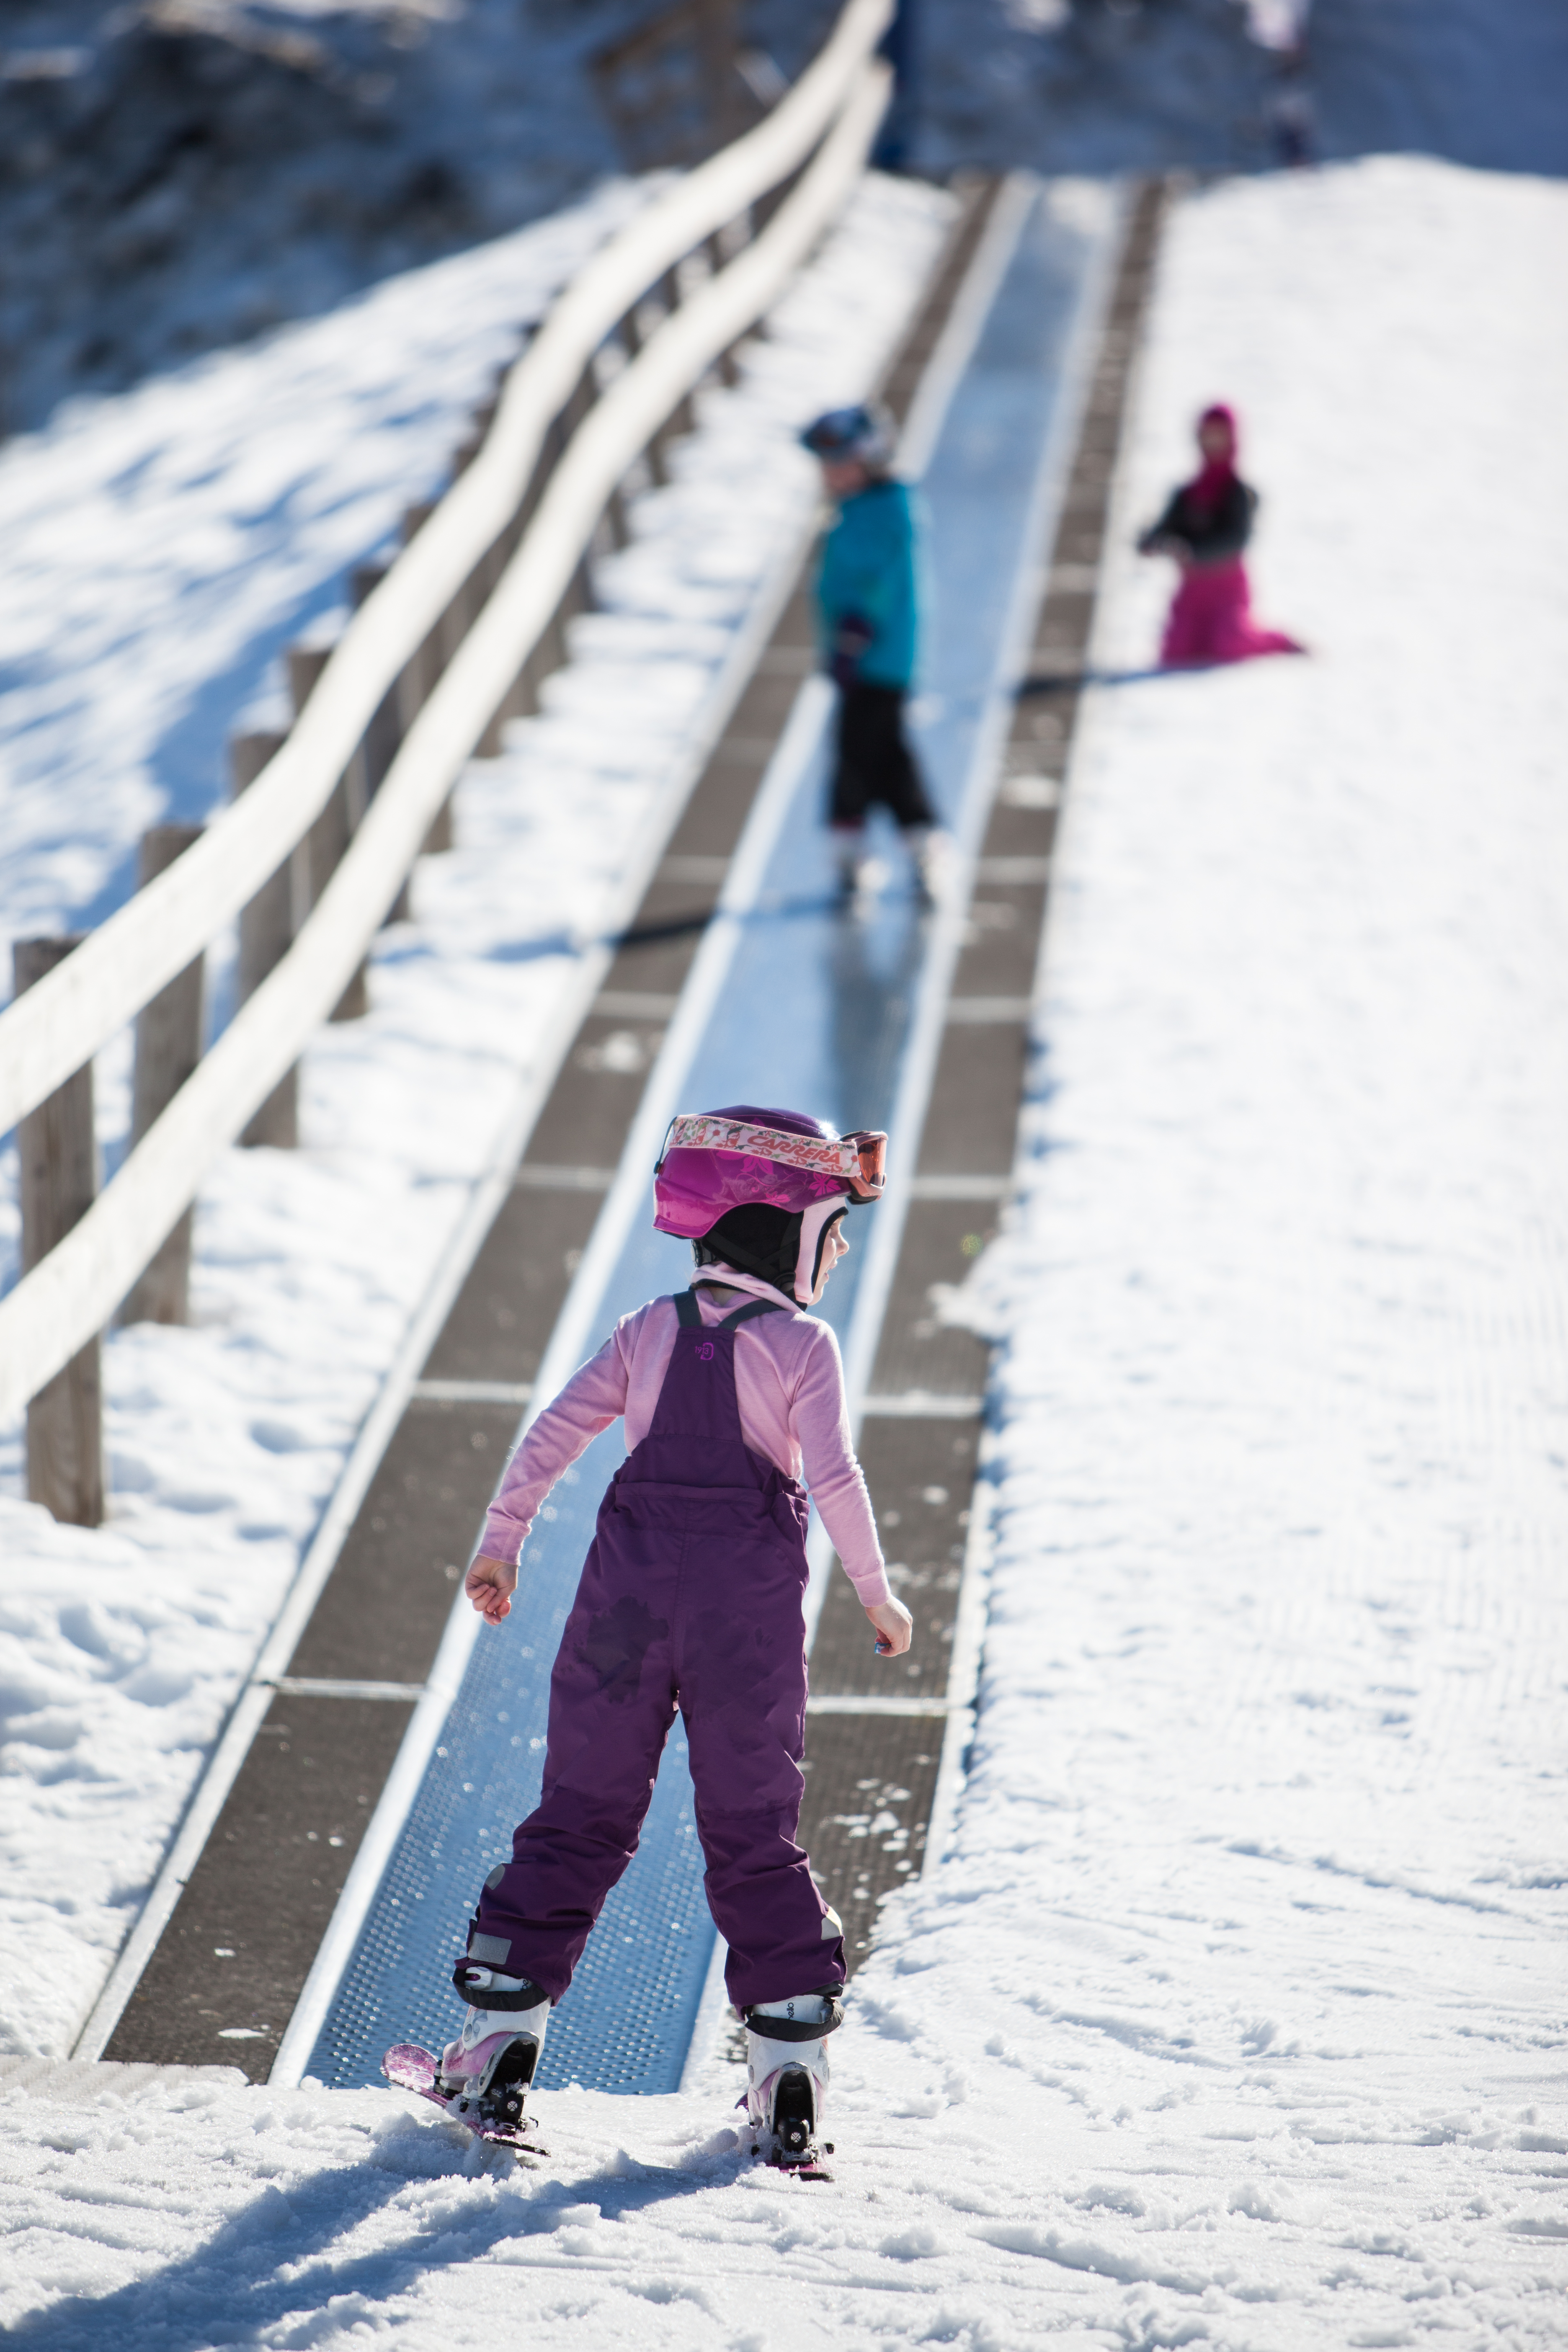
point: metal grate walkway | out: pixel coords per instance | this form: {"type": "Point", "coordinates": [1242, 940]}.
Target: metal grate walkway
{"type": "Point", "coordinates": [814, 1009]}
{"type": "Point", "coordinates": [271, 1884]}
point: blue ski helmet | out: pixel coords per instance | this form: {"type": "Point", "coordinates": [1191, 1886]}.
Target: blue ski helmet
{"type": "Point", "coordinates": [859, 435]}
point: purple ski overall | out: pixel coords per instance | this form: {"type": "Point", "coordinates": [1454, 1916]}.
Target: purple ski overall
{"type": "Point", "coordinates": [690, 1596]}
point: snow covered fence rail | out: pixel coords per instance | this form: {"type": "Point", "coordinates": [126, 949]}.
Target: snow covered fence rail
{"type": "Point", "coordinates": [803, 160]}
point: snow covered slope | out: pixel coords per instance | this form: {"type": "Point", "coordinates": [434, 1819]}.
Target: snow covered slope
{"type": "Point", "coordinates": [162, 546]}
{"type": "Point", "coordinates": [1235, 2015]}
{"type": "Point", "coordinates": [177, 177]}
{"type": "Point", "coordinates": [1163, 85]}
{"type": "Point", "coordinates": [1261, 1871]}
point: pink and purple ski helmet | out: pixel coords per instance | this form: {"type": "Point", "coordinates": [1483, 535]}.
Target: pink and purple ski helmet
{"type": "Point", "coordinates": [713, 1162]}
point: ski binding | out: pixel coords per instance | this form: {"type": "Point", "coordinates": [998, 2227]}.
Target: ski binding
{"type": "Point", "coordinates": [803, 2164]}
{"type": "Point", "coordinates": [793, 2146]}
{"type": "Point", "coordinates": [407, 2067]}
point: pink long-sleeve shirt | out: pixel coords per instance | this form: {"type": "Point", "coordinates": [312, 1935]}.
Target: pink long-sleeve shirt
{"type": "Point", "coordinates": [789, 1384]}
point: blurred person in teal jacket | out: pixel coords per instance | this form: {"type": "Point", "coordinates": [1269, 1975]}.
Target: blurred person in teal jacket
{"type": "Point", "coordinates": [869, 592]}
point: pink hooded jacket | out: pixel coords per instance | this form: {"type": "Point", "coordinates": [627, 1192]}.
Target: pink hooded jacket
{"type": "Point", "coordinates": [789, 1384]}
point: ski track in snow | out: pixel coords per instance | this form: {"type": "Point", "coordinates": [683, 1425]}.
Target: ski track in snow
{"type": "Point", "coordinates": [121, 1651]}
{"type": "Point", "coordinates": [1234, 2017]}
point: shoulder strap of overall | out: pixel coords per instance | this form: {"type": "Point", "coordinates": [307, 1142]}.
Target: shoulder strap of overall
{"type": "Point", "coordinates": [690, 1315]}
{"type": "Point", "coordinates": [753, 1306]}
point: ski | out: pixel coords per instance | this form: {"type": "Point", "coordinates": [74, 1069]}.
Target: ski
{"type": "Point", "coordinates": [809, 2167]}
{"type": "Point", "coordinates": [407, 2067]}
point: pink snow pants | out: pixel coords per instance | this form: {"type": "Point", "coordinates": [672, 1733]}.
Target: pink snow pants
{"type": "Point", "coordinates": [1211, 620]}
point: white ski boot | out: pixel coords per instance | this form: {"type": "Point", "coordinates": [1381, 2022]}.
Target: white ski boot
{"type": "Point", "coordinates": [932, 851]}
{"type": "Point", "coordinates": [485, 2074]}
{"type": "Point", "coordinates": [786, 2078]}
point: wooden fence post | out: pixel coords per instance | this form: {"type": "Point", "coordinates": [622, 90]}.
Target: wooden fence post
{"type": "Point", "coordinates": [683, 416]}
{"type": "Point", "coordinates": [481, 581]}
{"type": "Point", "coordinates": [521, 700]}
{"type": "Point", "coordinates": [631, 337]}
{"type": "Point", "coordinates": [416, 684]}
{"type": "Point", "coordinates": [579, 597]}
{"type": "Point", "coordinates": [727, 363]}
{"type": "Point", "coordinates": [619, 520]}
{"type": "Point", "coordinates": [58, 1155]}
{"type": "Point", "coordinates": [266, 927]}
{"type": "Point", "coordinates": [168, 1047]}
{"type": "Point", "coordinates": [382, 736]}
{"type": "Point", "coordinates": [334, 829]}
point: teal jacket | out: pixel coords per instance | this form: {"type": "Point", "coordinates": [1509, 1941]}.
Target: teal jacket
{"type": "Point", "coordinates": [873, 567]}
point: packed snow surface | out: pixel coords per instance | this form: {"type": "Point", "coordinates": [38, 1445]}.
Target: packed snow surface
{"type": "Point", "coordinates": [1233, 2016]}
{"type": "Point", "coordinates": [121, 1651]}
{"type": "Point", "coordinates": [162, 546]}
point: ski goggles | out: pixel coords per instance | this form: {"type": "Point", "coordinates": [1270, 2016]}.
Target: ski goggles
{"type": "Point", "coordinates": [859, 1160]}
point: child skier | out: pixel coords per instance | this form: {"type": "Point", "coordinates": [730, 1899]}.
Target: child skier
{"type": "Point", "coordinates": [690, 1596]}
{"type": "Point", "coordinates": [868, 597]}
{"type": "Point", "coordinates": [1205, 526]}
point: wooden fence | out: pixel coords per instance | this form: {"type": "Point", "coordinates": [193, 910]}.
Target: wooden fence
{"type": "Point", "coordinates": [316, 846]}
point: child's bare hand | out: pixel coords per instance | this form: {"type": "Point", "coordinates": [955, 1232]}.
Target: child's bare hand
{"type": "Point", "coordinates": [894, 1627]}
{"type": "Point", "coordinates": [489, 1585]}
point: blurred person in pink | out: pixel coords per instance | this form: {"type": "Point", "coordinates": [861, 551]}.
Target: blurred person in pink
{"type": "Point", "coordinates": [1204, 527]}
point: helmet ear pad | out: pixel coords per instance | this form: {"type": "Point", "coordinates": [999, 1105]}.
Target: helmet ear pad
{"type": "Point", "coordinates": [816, 1223]}
{"type": "Point", "coordinates": [784, 1248]}
{"type": "Point", "coordinates": [756, 1238]}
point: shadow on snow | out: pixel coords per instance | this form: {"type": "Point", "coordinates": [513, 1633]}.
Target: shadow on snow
{"type": "Point", "coordinates": [233, 2289]}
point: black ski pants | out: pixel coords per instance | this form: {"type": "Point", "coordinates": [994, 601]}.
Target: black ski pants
{"type": "Point", "coordinates": [874, 761]}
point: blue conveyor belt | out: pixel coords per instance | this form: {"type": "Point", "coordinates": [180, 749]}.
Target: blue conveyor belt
{"type": "Point", "coordinates": [815, 1014]}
